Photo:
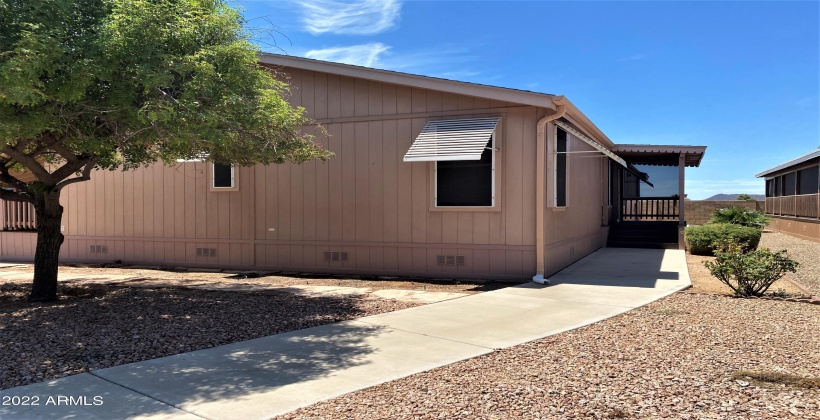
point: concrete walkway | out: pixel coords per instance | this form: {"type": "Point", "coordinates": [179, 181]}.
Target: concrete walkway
{"type": "Point", "coordinates": [264, 377]}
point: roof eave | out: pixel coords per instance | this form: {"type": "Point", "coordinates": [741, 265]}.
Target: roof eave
{"type": "Point", "coordinates": [796, 161]}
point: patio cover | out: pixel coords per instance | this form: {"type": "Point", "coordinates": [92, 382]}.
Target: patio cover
{"type": "Point", "coordinates": [648, 154]}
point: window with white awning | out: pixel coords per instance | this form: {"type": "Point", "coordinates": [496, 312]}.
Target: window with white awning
{"type": "Point", "coordinates": [463, 155]}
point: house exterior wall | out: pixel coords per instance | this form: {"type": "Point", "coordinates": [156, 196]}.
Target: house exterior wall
{"type": "Point", "coordinates": [801, 228]}
{"type": "Point", "coordinates": [365, 202]}
{"type": "Point", "coordinates": [580, 228]}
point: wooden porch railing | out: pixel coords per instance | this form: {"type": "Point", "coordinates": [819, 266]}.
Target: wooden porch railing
{"type": "Point", "coordinates": [17, 215]}
{"type": "Point", "coordinates": [806, 205]}
{"type": "Point", "coordinates": [650, 208]}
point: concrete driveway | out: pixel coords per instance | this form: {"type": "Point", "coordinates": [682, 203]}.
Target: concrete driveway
{"type": "Point", "coordinates": [264, 377]}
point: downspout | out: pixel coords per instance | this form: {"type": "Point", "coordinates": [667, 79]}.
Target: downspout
{"type": "Point", "coordinates": [540, 185]}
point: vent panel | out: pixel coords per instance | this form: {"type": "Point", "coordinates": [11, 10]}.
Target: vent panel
{"type": "Point", "coordinates": [98, 249]}
{"type": "Point", "coordinates": [335, 256]}
{"type": "Point", "coordinates": [451, 260]}
{"type": "Point", "coordinates": [206, 252]}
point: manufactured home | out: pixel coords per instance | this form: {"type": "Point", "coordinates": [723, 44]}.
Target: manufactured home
{"type": "Point", "coordinates": [793, 196]}
{"type": "Point", "coordinates": [431, 178]}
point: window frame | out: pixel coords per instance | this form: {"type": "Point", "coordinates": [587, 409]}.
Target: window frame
{"type": "Point", "coordinates": [234, 178]}
{"type": "Point", "coordinates": [790, 188]}
{"type": "Point", "coordinates": [494, 196]}
{"type": "Point", "coordinates": [555, 156]}
{"type": "Point", "coordinates": [810, 174]}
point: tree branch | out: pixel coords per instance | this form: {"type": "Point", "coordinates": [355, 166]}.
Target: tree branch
{"type": "Point", "coordinates": [63, 151]}
{"type": "Point", "coordinates": [29, 162]}
{"type": "Point", "coordinates": [11, 181]}
{"type": "Point", "coordinates": [86, 175]}
{"type": "Point", "coordinates": [9, 195]}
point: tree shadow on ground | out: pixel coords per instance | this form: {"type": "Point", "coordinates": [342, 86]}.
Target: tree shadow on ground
{"type": "Point", "coordinates": [95, 327]}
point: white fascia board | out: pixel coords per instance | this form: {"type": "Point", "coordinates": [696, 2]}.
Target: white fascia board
{"type": "Point", "coordinates": [796, 161]}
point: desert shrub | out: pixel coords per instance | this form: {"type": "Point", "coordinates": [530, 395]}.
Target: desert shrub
{"type": "Point", "coordinates": [705, 239]}
{"type": "Point", "coordinates": [740, 216]}
{"type": "Point", "coordinates": [749, 273]}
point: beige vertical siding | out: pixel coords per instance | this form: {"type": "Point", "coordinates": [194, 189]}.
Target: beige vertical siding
{"type": "Point", "coordinates": [365, 202]}
{"type": "Point", "coordinates": [575, 230]}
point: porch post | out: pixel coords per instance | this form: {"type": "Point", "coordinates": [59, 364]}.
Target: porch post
{"type": "Point", "coordinates": [681, 200]}
{"type": "Point", "coordinates": [681, 177]}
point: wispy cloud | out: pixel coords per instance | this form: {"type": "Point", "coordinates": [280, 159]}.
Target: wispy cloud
{"type": "Point", "coordinates": [360, 17]}
{"type": "Point", "coordinates": [807, 101]}
{"type": "Point", "coordinates": [634, 57]}
{"type": "Point", "coordinates": [360, 55]}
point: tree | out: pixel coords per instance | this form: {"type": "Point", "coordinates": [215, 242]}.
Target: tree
{"type": "Point", "coordinates": [745, 197]}
{"type": "Point", "coordinates": [120, 84]}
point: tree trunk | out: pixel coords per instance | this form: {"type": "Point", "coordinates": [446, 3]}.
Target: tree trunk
{"type": "Point", "coordinates": [49, 239]}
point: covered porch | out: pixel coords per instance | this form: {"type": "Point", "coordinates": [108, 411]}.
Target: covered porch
{"type": "Point", "coordinates": [646, 198]}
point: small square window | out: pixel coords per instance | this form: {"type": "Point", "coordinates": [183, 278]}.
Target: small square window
{"type": "Point", "coordinates": [223, 177]}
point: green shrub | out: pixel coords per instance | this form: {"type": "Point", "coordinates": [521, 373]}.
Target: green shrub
{"type": "Point", "coordinates": [740, 216]}
{"type": "Point", "coordinates": [750, 273]}
{"type": "Point", "coordinates": [705, 239]}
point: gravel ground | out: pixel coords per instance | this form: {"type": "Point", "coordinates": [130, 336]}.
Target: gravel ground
{"type": "Point", "coordinates": [807, 253]}
{"type": "Point", "coordinates": [672, 358]}
{"type": "Point", "coordinates": [94, 327]}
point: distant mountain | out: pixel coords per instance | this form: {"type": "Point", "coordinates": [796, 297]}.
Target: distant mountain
{"type": "Point", "coordinates": [724, 197]}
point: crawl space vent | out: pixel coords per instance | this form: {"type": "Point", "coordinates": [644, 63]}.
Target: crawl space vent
{"type": "Point", "coordinates": [333, 256]}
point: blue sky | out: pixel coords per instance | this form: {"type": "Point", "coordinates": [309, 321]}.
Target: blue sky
{"type": "Point", "coordinates": [741, 77]}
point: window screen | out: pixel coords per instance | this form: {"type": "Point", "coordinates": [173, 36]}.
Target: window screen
{"type": "Point", "coordinates": [561, 169]}
{"type": "Point", "coordinates": [466, 182]}
{"type": "Point", "coordinates": [807, 180]}
{"type": "Point", "coordinates": [770, 188]}
{"type": "Point", "coordinates": [223, 176]}
{"type": "Point", "coordinates": [790, 183]}
{"type": "Point", "coordinates": [778, 186]}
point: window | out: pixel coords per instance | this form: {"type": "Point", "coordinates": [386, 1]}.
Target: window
{"type": "Point", "coordinates": [770, 188]}
{"type": "Point", "coordinates": [467, 183]}
{"type": "Point", "coordinates": [561, 168]}
{"type": "Point", "coordinates": [807, 180]}
{"type": "Point", "coordinates": [778, 186]}
{"type": "Point", "coordinates": [224, 176]}
{"type": "Point", "coordinates": [610, 176]}
{"type": "Point", "coordinates": [790, 183]}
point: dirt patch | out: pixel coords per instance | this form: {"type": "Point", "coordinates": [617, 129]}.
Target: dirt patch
{"type": "Point", "coordinates": [763, 378]}
{"type": "Point", "coordinates": [182, 276]}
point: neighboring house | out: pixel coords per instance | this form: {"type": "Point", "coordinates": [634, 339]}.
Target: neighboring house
{"type": "Point", "coordinates": [793, 196]}
{"type": "Point", "coordinates": [432, 177]}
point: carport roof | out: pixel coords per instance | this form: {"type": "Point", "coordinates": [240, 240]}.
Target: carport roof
{"type": "Point", "coordinates": [649, 154]}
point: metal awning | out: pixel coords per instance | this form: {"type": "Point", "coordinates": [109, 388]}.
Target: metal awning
{"type": "Point", "coordinates": [660, 155]}
{"type": "Point", "coordinates": [604, 150]}
{"type": "Point", "coordinates": [580, 136]}
{"type": "Point", "coordinates": [462, 139]}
